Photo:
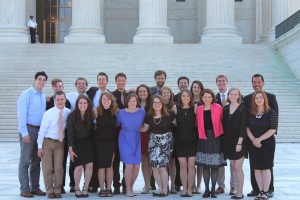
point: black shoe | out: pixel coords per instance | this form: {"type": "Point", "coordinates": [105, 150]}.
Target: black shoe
{"type": "Point", "coordinates": [271, 194]}
{"type": "Point", "coordinates": [253, 193]}
{"type": "Point", "coordinates": [62, 190]}
{"type": "Point", "coordinates": [155, 194]}
{"type": "Point", "coordinates": [213, 194]}
{"type": "Point", "coordinates": [72, 189]}
{"type": "Point", "coordinates": [92, 189]}
{"type": "Point", "coordinates": [206, 194]}
{"type": "Point", "coordinates": [117, 191]}
{"type": "Point", "coordinates": [236, 197]}
{"type": "Point", "coordinates": [153, 187]}
{"type": "Point", "coordinates": [177, 188]}
{"type": "Point", "coordinates": [163, 195]}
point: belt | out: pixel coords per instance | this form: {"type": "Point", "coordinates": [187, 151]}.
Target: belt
{"type": "Point", "coordinates": [53, 140]}
{"type": "Point", "coordinates": [32, 126]}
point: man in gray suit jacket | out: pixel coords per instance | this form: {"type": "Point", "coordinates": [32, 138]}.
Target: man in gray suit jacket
{"type": "Point", "coordinates": [160, 77]}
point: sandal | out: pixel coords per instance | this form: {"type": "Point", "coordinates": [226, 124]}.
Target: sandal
{"type": "Point", "coordinates": [85, 193]}
{"type": "Point", "coordinates": [173, 190]}
{"type": "Point", "coordinates": [78, 195]}
{"type": "Point", "coordinates": [109, 193]}
{"type": "Point", "coordinates": [102, 193]}
{"type": "Point", "coordinates": [146, 190]}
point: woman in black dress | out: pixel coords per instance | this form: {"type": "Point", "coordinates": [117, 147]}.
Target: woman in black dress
{"type": "Point", "coordinates": [104, 141]}
{"type": "Point", "coordinates": [262, 125]}
{"type": "Point", "coordinates": [235, 149]}
{"type": "Point", "coordinates": [80, 144]}
{"type": "Point", "coordinates": [186, 139]}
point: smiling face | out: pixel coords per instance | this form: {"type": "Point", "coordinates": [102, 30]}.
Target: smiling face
{"type": "Point", "coordinates": [82, 105]}
{"type": "Point", "coordinates": [143, 93]}
{"type": "Point", "coordinates": [121, 82]}
{"type": "Point", "coordinates": [185, 98]}
{"type": "Point", "coordinates": [157, 104]}
{"type": "Point", "coordinates": [196, 89]}
{"type": "Point", "coordinates": [132, 103]}
{"type": "Point", "coordinates": [222, 84]}
{"type": "Point", "coordinates": [207, 98]}
{"type": "Point", "coordinates": [59, 86]}
{"type": "Point", "coordinates": [81, 86]}
{"type": "Point", "coordinates": [183, 84]}
{"type": "Point", "coordinates": [102, 82]}
{"type": "Point", "coordinates": [39, 82]}
{"type": "Point", "coordinates": [60, 101]}
{"type": "Point", "coordinates": [106, 102]}
{"type": "Point", "coordinates": [257, 83]}
{"type": "Point", "coordinates": [160, 80]}
{"type": "Point", "coordinates": [166, 94]}
{"type": "Point", "coordinates": [259, 100]}
{"type": "Point", "coordinates": [233, 96]}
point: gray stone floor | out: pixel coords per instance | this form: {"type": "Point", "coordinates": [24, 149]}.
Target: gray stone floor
{"type": "Point", "coordinates": [286, 170]}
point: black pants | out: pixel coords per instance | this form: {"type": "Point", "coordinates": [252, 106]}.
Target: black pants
{"type": "Point", "coordinates": [116, 165]}
{"type": "Point", "coordinates": [33, 35]}
{"type": "Point", "coordinates": [71, 168]}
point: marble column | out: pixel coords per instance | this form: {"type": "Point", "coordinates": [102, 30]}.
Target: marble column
{"type": "Point", "coordinates": [220, 27]}
{"type": "Point", "coordinates": [13, 21]}
{"type": "Point", "coordinates": [153, 19]}
{"type": "Point", "coordinates": [31, 10]}
{"type": "Point", "coordinates": [281, 10]}
{"type": "Point", "coordinates": [86, 22]}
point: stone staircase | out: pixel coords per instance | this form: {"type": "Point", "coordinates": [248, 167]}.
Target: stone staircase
{"type": "Point", "coordinates": [19, 62]}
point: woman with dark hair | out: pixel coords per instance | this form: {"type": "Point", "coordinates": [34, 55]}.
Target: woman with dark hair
{"type": "Point", "coordinates": [104, 141]}
{"type": "Point", "coordinates": [161, 142]}
{"type": "Point", "coordinates": [210, 129]}
{"type": "Point", "coordinates": [186, 140]}
{"type": "Point", "coordinates": [130, 119]}
{"type": "Point", "coordinates": [143, 92]}
{"type": "Point", "coordinates": [196, 90]}
{"type": "Point", "coordinates": [79, 141]}
{"type": "Point", "coordinates": [262, 125]}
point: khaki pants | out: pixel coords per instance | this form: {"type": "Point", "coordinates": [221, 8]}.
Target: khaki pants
{"type": "Point", "coordinates": [52, 165]}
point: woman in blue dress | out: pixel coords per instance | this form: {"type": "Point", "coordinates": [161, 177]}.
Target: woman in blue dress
{"type": "Point", "coordinates": [130, 119]}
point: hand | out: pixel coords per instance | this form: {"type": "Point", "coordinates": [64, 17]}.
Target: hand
{"type": "Point", "coordinates": [40, 153]}
{"type": "Point", "coordinates": [72, 154]}
{"type": "Point", "coordinates": [48, 98]}
{"type": "Point", "coordinates": [26, 139]}
{"type": "Point", "coordinates": [256, 142]}
{"type": "Point", "coordinates": [238, 148]}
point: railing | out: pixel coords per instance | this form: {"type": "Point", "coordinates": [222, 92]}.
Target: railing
{"type": "Point", "coordinates": [287, 24]}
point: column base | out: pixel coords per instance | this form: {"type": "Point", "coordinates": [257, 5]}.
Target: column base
{"type": "Point", "coordinates": [85, 39]}
{"type": "Point", "coordinates": [217, 40]}
{"type": "Point", "coordinates": [147, 39]}
{"type": "Point", "coordinates": [11, 39]}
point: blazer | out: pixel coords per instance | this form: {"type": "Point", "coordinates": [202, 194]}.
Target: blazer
{"type": "Point", "coordinates": [92, 92]}
{"type": "Point", "coordinates": [117, 95]}
{"type": "Point", "coordinates": [216, 117]}
{"type": "Point", "coordinates": [154, 90]}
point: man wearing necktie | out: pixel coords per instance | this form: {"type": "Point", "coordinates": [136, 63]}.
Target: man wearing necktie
{"type": "Point", "coordinates": [51, 145]}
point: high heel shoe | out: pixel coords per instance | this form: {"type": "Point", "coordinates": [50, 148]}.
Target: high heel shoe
{"type": "Point", "coordinates": [85, 193]}
{"type": "Point", "coordinates": [78, 195]}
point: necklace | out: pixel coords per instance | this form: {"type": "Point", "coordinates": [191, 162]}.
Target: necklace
{"type": "Point", "coordinates": [155, 122]}
{"type": "Point", "coordinates": [185, 111]}
{"type": "Point", "coordinates": [258, 116]}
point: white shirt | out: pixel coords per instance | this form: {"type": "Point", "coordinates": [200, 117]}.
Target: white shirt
{"type": "Point", "coordinates": [72, 97]}
{"type": "Point", "coordinates": [49, 125]}
{"type": "Point", "coordinates": [31, 23]}
{"type": "Point", "coordinates": [225, 95]}
{"type": "Point", "coordinates": [97, 97]}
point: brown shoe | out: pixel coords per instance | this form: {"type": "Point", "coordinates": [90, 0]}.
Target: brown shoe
{"type": "Point", "coordinates": [220, 190]}
{"type": "Point", "coordinates": [26, 194]}
{"type": "Point", "coordinates": [232, 191]}
{"type": "Point", "coordinates": [51, 196]}
{"type": "Point", "coordinates": [57, 195]}
{"type": "Point", "coordinates": [38, 192]}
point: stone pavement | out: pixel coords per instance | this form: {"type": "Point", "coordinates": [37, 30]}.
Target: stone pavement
{"type": "Point", "coordinates": [286, 170]}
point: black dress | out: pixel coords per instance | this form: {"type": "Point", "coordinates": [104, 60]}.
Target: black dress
{"type": "Point", "coordinates": [186, 137]}
{"type": "Point", "coordinates": [263, 157]}
{"type": "Point", "coordinates": [104, 139]}
{"type": "Point", "coordinates": [234, 127]}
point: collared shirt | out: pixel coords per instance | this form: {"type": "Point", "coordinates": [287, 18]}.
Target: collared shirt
{"type": "Point", "coordinates": [72, 97]}
{"type": "Point", "coordinates": [31, 107]}
{"type": "Point", "coordinates": [31, 23]}
{"type": "Point", "coordinates": [97, 97]}
{"type": "Point", "coordinates": [225, 95]}
{"type": "Point", "coordinates": [49, 125]}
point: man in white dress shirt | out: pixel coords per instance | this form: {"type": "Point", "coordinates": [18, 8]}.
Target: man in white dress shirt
{"type": "Point", "coordinates": [81, 85]}
{"type": "Point", "coordinates": [51, 145]}
{"type": "Point", "coordinates": [32, 25]}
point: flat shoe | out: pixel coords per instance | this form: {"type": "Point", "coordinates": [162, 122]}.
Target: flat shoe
{"type": "Point", "coordinates": [155, 194]}
{"type": "Point", "coordinates": [236, 197]}
{"type": "Point", "coordinates": [26, 194]}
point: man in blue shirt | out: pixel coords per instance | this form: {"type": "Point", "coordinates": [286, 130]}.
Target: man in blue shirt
{"type": "Point", "coordinates": [31, 107]}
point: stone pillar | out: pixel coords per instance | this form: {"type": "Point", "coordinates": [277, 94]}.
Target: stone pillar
{"type": "Point", "coordinates": [281, 10]}
{"type": "Point", "coordinates": [31, 10]}
{"type": "Point", "coordinates": [86, 22]}
{"type": "Point", "coordinates": [153, 19]}
{"type": "Point", "coordinates": [220, 27]}
{"type": "Point", "coordinates": [13, 21]}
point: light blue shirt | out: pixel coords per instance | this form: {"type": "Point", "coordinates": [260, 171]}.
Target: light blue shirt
{"type": "Point", "coordinates": [31, 107]}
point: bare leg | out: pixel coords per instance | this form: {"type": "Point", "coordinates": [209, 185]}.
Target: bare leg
{"type": "Point", "coordinates": [266, 180]}
{"type": "Point", "coordinates": [237, 167]}
{"type": "Point", "coordinates": [259, 180]}
{"type": "Point", "coordinates": [135, 174]}
{"type": "Point", "coordinates": [191, 174]}
{"type": "Point", "coordinates": [164, 179]}
{"type": "Point", "coordinates": [128, 179]}
{"type": "Point", "coordinates": [146, 170]}
{"type": "Point", "coordinates": [109, 174]}
{"type": "Point", "coordinates": [158, 179]}
{"type": "Point", "coordinates": [172, 174]}
{"type": "Point", "coordinates": [101, 177]}
{"type": "Point", "coordinates": [199, 177]}
{"type": "Point", "coordinates": [183, 173]}
{"type": "Point", "coordinates": [77, 177]}
{"type": "Point", "coordinates": [87, 175]}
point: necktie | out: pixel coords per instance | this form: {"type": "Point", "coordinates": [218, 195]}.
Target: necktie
{"type": "Point", "coordinates": [223, 100]}
{"type": "Point", "coordinates": [122, 97]}
{"type": "Point", "coordinates": [60, 127]}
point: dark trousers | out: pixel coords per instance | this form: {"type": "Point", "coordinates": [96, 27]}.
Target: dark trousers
{"type": "Point", "coordinates": [177, 177]}
{"type": "Point", "coordinates": [71, 168]}
{"type": "Point", "coordinates": [33, 35]}
{"type": "Point", "coordinates": [116, 165]}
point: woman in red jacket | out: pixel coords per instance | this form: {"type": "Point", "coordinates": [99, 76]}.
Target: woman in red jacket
{"type": "Point", "coordinates": [210, 129]}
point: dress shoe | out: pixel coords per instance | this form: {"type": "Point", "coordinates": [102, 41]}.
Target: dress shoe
{"type": "Point", "coordinates": [57, 195]}
{"type": "Point", "coordinates": [72, 189]}
{"type": "Point", "coordinates": [253, 193]}
{"type": "Point", "coordinates": [271, 194]}
{"type": "Point", "coordinates": [26, 194]}
{"type": "Point", "coordinates": [219, 190]}
{"type": "Point", "coordinates": [206, 194]}
{"type": "Point", "coordinates": [38, 192]}
{"type": "Point", "coordinates": [51, 196]}
{"type": "Point", "coordinates": [117, 191]}
{"type": "Point", "coordinates": [232, 191]}
{"type": "Point", "coordinates": [236, 197]}
{"type": "Point", "coordinates": [62, 190]}
{"type": "Point", "coordinates": [213, 194]}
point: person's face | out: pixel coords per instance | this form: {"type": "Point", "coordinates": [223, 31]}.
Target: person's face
{"type": "Point", "coordinates": [222, 84]}
{"type": "Point", "coordinates": [196, 89]}
{"type": "Point", "coordinates": [39, 82]}
{"type": "Point", "coordinates": [58, 87]}
{"type": "Point", "coordinates": [233, 96]}
{"type": "Point", "coordinates": [157, 104]}
{"type": "Point", "coordinates": [185, 98]}
{"type": "Point", "coordinates": [121, 82]}
{"type": "Point", "coordinates": [132, 103]}
{"type": "Point", "coordinates": [81, 86]}
{"type": "Point", "coordinates": [257, 83]}
{"type": "Point", "coordinates": [207, 98]}
{"type": "Point", "coordinates": [82, 105]}
{"type": "Point", "coordinates": [106, 102]}
{"type": "Point", "coordinates": [102, 82]}
{"type": "Point", "coordinates": [259, 100]}
{"type": "Point", "coordinates": [60, 101]}
{"type": "Point", "coordinates": [143, 93]}
{"type": "Point", "coordinates": [183, 84]}
{"type": "Point", "coordinates": [166, 94]}
{"type": "Point", "coordinates": [160, 80]}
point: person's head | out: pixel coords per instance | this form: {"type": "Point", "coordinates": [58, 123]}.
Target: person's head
{"type": "Point", "coordinates": [81, 85]}
{"type": "Point", "coordinates": [185, 98]}
{"type": "Point", "coordinates": [259, 100]}
{"type": "Point", "coordinates": [157, 106]}
{"type": "Point", "coordinates": [132, 100]}
{"type": "Point", "coordinates": [120, 80]}
{"type": "Point", "coordinates": [222, 83]}
{"type": "Point", "coordinates": [40, 79]}
{"type": "Point", "coordinates": [83, 108]}
{"type": "Point", "coordinates": [31, 16]}
{"type": "Point", "coordinates": [160, 77]}
{"type": "Point", "coordinates": [143, 92]}
{"type": "Point", "coordinates": [196, 88]}
{"type": "Point", "coordinates": [57, 85]}
{"type": "Point", "coordinates": [208, 97]}
{"type": "Point", "coordinates": [107, 102]}
{"type": "Point", "coordinates": [258, 82]}
{"type": "Point", "coordinates": [183, 82]}
{"type": "Point", "coordinates": [60, 99]}
{"type": "Point", "coordinates": [167, 95]}
{"type": "Point", "coordinates": [234, 95]}
{"type": "Point", "coordinates": [102, 81]}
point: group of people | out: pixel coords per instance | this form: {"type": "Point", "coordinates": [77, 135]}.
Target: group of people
{"type": "Point", "coordinates": [180, 138]}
